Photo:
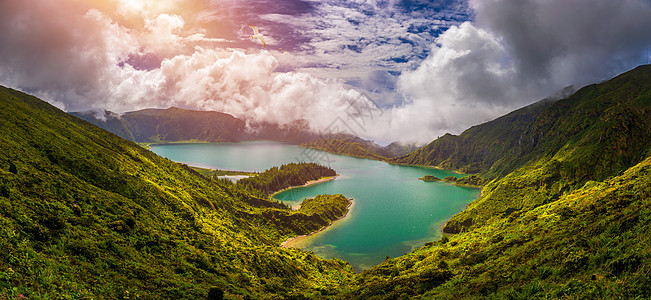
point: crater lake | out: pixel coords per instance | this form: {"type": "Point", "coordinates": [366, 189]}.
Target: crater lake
{"type": "Point", "coordinates": [392, 213]}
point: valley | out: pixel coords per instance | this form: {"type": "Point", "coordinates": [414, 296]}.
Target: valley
{"type": "Point", "coordinates": [564, 210]}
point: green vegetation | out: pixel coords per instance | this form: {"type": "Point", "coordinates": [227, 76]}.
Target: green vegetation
{"type": "Point", "coordinates": [348, 145]}
{"type": "Point", "coordinates": [321, 211]}
{"type": "Point", "coordinates": [430, 178]}
{"type": "Point", "coordinates": [471, 180]}
{"type": "Point", "coordinates": [536, 154]}
{"type": "Point", "coordinates": [215, 173]}
{"type": "Point", "coordinates": [285, 176]}
{"type": "Point", "coordinates": [318, 205]}
{"type": "Point", "coordinates": [589, 244]}
{"type": "Point", "coordinates": [496, 147]}
{"type": "Point", "coordinates": [565, 214]}
{"type": "Point", "coordinates": [357, 147]}
{"type": "Point", "coordinates": [86, 214]}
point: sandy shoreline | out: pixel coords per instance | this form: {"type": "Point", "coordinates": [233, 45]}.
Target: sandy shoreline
{"type": "Point", "coordinates": [284, 244]}
{"type": "Point", "coordinates": [309, 183]}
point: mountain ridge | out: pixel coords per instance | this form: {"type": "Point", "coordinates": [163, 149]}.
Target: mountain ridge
{"type": "Point", "coordinates": [157, 125]}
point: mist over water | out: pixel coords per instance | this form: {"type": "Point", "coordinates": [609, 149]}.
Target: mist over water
{"type": "Point", "coordinates": [392, 213]}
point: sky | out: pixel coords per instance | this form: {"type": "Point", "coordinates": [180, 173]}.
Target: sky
{"type": "Point", "coordinates": [385, 70]}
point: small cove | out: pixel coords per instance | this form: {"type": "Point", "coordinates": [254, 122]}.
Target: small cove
{"type": "Point", "coordinates": [392, 212]}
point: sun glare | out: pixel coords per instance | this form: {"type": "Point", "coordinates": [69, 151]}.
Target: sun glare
{"type": "Point", "coordinates": [148, 6]}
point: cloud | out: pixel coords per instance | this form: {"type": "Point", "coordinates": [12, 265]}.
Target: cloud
{"type": "Point", "coordinates": [45, 51]}
{"type": "Point", "coordinates": [430, 69]}
{"type": "Point", "coordinates": [82, 62]}
{"type": "Point", "coordinates": [579, 40]}
{"type": "Point", "coordinates": [356, 40]}
{"type": "Point", "coordinates": [514, 53]}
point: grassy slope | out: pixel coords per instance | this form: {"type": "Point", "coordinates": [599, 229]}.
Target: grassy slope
{"type": "Point", "coordinates": [589, 244]}
{"type": "Point", "coordinates": [481, 147]}
{"type": "Point", "coordinates": [591, 117]}
{"type": "Point", "coordinates": [87, 214]}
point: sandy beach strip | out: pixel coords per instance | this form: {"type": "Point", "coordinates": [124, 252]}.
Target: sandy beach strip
{"type": "Point", "coordinates": [309, 183]}
{"type": "Point", "coordinates": [284, 244]}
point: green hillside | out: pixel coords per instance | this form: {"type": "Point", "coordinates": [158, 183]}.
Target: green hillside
{"type": "Point", "coordinates": [86, 214]}
{"type": "Point", "coordinates": [358, 147]}
{"type": "Point", "coordinates": [592, 243]}
{"type": "Point", "coordinates": [495, 147]}
{"type": "Point", "coordinates": [566, 215]}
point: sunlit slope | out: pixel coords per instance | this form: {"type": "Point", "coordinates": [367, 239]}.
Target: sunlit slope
{"type": "Point", "coordinates": [592, 243]}
{"type": "Point", "coordinates": [85, 213]}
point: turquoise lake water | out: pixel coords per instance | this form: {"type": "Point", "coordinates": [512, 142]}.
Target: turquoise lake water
{"type": "Point", "coordinates": [392, 213]}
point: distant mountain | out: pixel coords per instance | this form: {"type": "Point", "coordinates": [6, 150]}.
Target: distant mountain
{"type": "Point", "coordinates": [296, 132]}
{"type": "Point", "coordinates": [496, 147]}
{"type": "Point", "coordinates": [169, 125]}
{"type": "Point", "coordinates": [358, 147]}
{"type": "Point", "coordinates": [348, 145]}
{"type": "Point", "coordinates": [181, 125]}
{"type": "Point", "coordinates": [396, 149]}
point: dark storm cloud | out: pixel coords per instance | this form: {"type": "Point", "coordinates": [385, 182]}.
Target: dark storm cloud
{"type": "Point", "coordinates": [557, 40]}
